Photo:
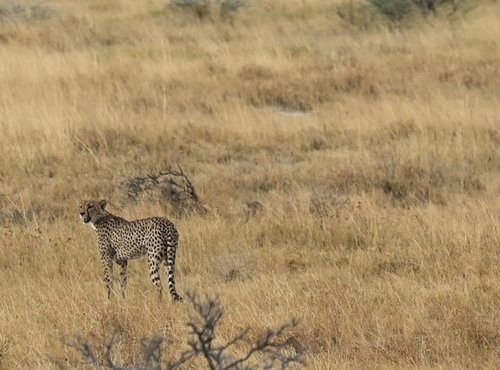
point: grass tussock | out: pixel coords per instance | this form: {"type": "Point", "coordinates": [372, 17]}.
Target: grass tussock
{"type": "Point", "coordinates": [348, 169]}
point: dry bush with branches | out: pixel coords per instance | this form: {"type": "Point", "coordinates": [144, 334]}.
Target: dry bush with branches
{"type": "Point", "coordinates": [21, 11]}
{"type": "Point", "coordinates": [276, 348]}
{"type": "Point", "coordinates": [202, 9]}
{"type": "Point", "coordinates": [173, 187]}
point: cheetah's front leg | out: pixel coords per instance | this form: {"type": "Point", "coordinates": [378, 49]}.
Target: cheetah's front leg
{"type": "Point", "coordinates": [123, 275]}
{"type": "Point", "coordinates": [107, 263]}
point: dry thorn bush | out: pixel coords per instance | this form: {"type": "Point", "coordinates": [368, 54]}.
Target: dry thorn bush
{"type": "Point", "coordinates": [170, 186]}
{"type": "Point", "coordinates": [277, 348]}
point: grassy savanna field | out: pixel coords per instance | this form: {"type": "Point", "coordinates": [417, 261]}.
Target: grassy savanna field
{"type": "Point", "coordinates": [374, 149]}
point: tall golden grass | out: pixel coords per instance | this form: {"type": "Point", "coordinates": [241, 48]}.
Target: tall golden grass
{"type": "Point", "coordinates": [374, 150]}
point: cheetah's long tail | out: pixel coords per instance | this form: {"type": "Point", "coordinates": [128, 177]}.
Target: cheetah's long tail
{"type": "Point", "coordinates": [170, 264]}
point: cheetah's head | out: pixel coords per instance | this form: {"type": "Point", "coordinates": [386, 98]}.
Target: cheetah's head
{"type": "Point", "coordinates": [92, 211]}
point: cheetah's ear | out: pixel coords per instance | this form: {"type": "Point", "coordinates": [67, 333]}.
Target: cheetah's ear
{"type": "Point", "coordinates": [103, 203]}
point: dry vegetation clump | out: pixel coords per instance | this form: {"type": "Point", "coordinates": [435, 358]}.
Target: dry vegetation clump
{"type": "Point", "coordinates": [172, 187]}
{"type": "Point", "coordinates": [347, 172]}
{"type": "Point", "coordinates": [24, 11]}
{"type": "Point", "coordinates": [276, 347]}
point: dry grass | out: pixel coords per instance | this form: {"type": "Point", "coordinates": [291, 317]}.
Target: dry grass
{"type": "Point", "coordinates": [374, 151]}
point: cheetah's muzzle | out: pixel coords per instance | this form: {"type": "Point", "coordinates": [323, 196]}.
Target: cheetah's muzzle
{"type": "Point", "coordinates": [85, 218]}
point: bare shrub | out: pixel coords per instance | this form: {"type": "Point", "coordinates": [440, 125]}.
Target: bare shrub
{"type": "Point", "coordinates": [228, 9]}
{"type": "Point", "coordinates": [253, 209]}
{"type": "Point", "coordinates": [395, 10]}
{"type": "Point", "coordinates": [276, 347]}
{"type": "Point", "coordinates": [151, 350]}
{"type": "Point", "coordinates": [398, 10]}
{"type": "Point", "coordinates": [365, 15]}
{"type": "Point", "coordinates": [202, 9]}
{"type": "Point", "coordinates": [20, 11]}
{"type": "Point", "coordinates": [172, 186]}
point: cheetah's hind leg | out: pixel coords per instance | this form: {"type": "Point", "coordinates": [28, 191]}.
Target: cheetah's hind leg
{"type": "Point", "coordinates": [154, 271]}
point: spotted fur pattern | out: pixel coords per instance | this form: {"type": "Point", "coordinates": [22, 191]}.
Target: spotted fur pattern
{"type": "Point", "coordinates": [119, 240]}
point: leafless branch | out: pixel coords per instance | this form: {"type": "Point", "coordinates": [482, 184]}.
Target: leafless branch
{"type": "Point", "coordinates": [276, 346]}
{"type": "Point", "coordinates": [172, 186]}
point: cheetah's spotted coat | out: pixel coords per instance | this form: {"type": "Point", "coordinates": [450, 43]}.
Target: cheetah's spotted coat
{"type": "Point", "coordinates": [120, 240]}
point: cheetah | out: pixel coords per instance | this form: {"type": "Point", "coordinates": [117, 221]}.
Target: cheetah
{"type": "Point", "coordinates": [120, 240]}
